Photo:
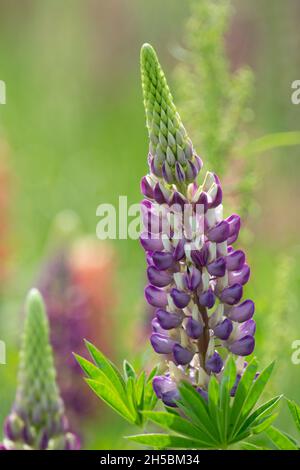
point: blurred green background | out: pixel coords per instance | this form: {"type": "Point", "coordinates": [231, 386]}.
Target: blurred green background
{"type": "Point", "coordinates": [73, 135]}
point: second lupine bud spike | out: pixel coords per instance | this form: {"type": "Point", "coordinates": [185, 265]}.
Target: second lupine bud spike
{"type": "Point", "coordinates": [37, 420]}
{"type": "Point", "coordinates": [171, 154]}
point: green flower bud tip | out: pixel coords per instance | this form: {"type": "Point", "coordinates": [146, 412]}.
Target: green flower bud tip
{"type": "Point", "coordinates": [36, 373]}
{"type": "Point", "coordinates": [171, 154]}
{"type": "Point", "coordinates": [37, 420]}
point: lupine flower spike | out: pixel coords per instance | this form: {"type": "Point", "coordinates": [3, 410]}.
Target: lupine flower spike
{"type": "Point", "coordinates": [196, 276]}
{"type": "Point", "coordinates": [37, 419]}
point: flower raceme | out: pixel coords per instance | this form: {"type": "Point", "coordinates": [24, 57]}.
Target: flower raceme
{"type": "Point", "coordinates": [196, 276]}
{"type": "Point", "coordinates": [37, 420]}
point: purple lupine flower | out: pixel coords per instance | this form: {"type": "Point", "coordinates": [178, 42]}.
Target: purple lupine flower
{"type": "Point", "coordinates": [196, 276]}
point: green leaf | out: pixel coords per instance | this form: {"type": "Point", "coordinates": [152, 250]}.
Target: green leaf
{"type": "Point", "coordinates": [98, 376]}
{"type": "Point", "coordinates": [261, 412]}
{"type": "Point", "coordinates": [281, 440]}
{"type": "Point", "coordinates": [295, 412]}
{"type": "Point", "coordinates": [131, 400]}
{"type": "Point", "coordinates": [239, 437]}
{"type": "Point", "coordinates": [108, 368]}
{"type": "Point", "coordinates": [150, 398]}
{"type": "Point", "coordinates": [213, 406]}
{"type": "Point", "coordinates": [127, 398]}
{"type": "Point", "coordinates": [172, 411]}
{"type": "Point", "coordinates": [179, 425]}
{"type": "Point", "coordinates": [195, 407]}
{"type": "Point", "coordinates": [248, 397]}
{"type": "Point", "coordinates": [88, 368]}
{"type": "Point", "coordinates": [227, 382]}
{"type": "Point", "coordinates": [153, 373]}
{"type": "Point", "coordinates": [107, 393]}
{"type": "Point", "coordinates": [128, 370]}
{"type": "Point", "coordinates": [165, 441]}
{"type": "Point", "coordinates": [264, 424]}
{"type": "Point", "coordinates": [250, 446]}
{"type": "Point", "coordinates": [272, 141]}
{"type": "Point", "coordinates": [140, 390]}
{"type": "Point", "coordinates": [255, 391]}
{"type": "Point", "coordinates": [241, 393]}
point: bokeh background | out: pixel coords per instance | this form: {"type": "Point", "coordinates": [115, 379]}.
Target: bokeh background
{"type": "Point", "coordinates": [72, 136]}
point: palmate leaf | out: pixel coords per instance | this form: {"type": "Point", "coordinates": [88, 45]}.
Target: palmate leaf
{"type": "Point", "coordinates": [256, 390]}
{"type": "Point", "coordinates": [250, 446]}
{"type": "Point", "coordinates": [227, 382]}
{"type": "Point", "coordinates": [295, 412]}
{"type": "Point", "coordinates": [104, 391]}
{"type": "Point", "coordinates": [131, 399]}
{"type": "Point", "coordinates": [263, 424]}
{"type": "Point", "coordinates": [221, 421]}
{"type": "Point", "coordinates": [108, 368]}
{"type": "Point", "coordinates": [140, 389]}
{"type": "Point", "coordinates": [242, 390]}
{"type": "Point", "coordinates": [166, 441]}
{"type": "Point", "coordinates": [214, 410]}
{"type": "Point", "coordinates": [128, 370]}
{"type": "Point", "coordinates": [247, 395]}
{"type": "Point", "coordinates": [89, 369]}
{"type": "Point", "coordinates": [281, 440]}
{"type": "Point", "coordinates": [261, 412]}
{"type": "Point", "coordinates": [179, 425]}
{"type": "Point", "coordinates": [196, 409]}
{"type": "Point", "coordinates": [150, 398]}
{"type": "Point", "coordinates": [129, 396]}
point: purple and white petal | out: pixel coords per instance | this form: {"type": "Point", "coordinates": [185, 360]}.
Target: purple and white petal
{"type": "Point", "coordinates": [180, 299]}
{"type": "Point", "coordinates": [168, 320]}
{"type": "Point", "coordinates": [182, 356]}
{"type": "Point", "coordinates": [217, 267]}
{"type": "Point", "coordinates": [151, 242]}
{"type": "Point", "coordinates": [235, 260]}
{"type": "Point", "coordinates": [242, 312]}
{"type": "Point", "coordinates": [219, 233]}
{"type": "Point", "coordinates": [193, 328]}
{"type": "Point", "coordinates": [231, 295]}
{"type": "Point", "coordinates": [159, 278]}
{"type": "Point", "coordinates": [162, 344]}
{"type": "Point", "coordinates": [223, 330]}
{"type": "Point", "coordinates": [243, 347]}
{"type": "Point", "coordinates": [155, 296]}
{"type": "Point", "coordinates": [214, 363]}
{"type": "Point", "coordinates": [162, 259]}
{"type": "Point", "coordinates": [240, 277]}
{"type": "Point", "coordinates": [207, 298]}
